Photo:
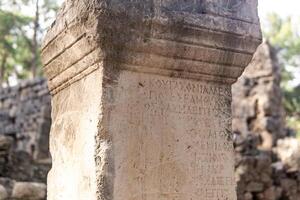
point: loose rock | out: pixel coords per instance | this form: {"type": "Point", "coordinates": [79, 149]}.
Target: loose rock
{"type": "Point", "coordinates": [29, 191]}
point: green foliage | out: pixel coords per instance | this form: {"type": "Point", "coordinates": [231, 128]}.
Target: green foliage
{"type": "Point", "coordinates": [20, 36]}
{"type": "Point", "coordinates": [49, 6]}
{"type": "Point", "coordinates": [292, 101]}
{"type": "Point", "coordinates": [294, 123]}
{"type": "Point", "coordinates": [14, 48]}
{"type": "Point", "coordinates": [282, 35]}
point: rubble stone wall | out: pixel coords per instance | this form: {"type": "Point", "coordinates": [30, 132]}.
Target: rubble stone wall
{"type": "Point", "coordinates": [24, 136]}
{"type": "Point", "coordinates": [25, 116]}
{"type": "Point", "coordinates": [266, 155]}
{"type": "Point", "coordinates": [257, 99]}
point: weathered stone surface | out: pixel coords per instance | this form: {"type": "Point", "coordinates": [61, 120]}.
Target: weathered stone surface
{"type": "Point", "coordinates": [29, 191]}
{"type": "Point", "coordinates": [266, 168]}
{"type": "Point", "coordinates": [255, 187]}
{"type": "Point", "coordinates": [288, 151]}
{"type": "Point", "coordinates": [18, 166]}
{"type": "Point", "coordinates": [181, 166]}
{"type": "Point", "coordinates": [5, 143]}
{"type": "Point", "coordinates": [24, 113]}
{"type": "Point", "coordinates": [141, 97]}
{"type": "Point", "coordinates": [3, 193]}
{"type": "Point", "coordinates": [257, 99]}
{"type": "Point", "coordinates": [25, 116]}
{"type": "Point", "coordinates": [247, 155]}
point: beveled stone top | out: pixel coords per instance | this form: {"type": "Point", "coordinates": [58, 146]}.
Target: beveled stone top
{"type": "Point", "coordinates": [212, 40]}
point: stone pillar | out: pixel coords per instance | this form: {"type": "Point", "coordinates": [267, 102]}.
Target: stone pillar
{"type": "Point", "coordinates": [141, 94]}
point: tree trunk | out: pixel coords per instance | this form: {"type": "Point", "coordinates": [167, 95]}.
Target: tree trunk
{"type": "Point", "coordinates": [34, 64]}
{"type": "Point", "coordinates": [2, 69]}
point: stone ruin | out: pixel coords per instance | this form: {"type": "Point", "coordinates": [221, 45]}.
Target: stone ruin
{"type": "Point", "coordinates": [95, 85]}
{"type": "Point", "coordinates": [261, 173]}
{"type": "Point", "coordinates": [24, 137]}
{"type": "Point", "coordinates": [257, 99]}
{"type": "Point", "coordinates": [141, 97]}
{"type": "Point", "coordinates": [267, 155]}
{"type": "Point", "coordinates": [25, 116]}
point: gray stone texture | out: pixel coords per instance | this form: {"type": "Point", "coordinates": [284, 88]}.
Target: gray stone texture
{"type": "Point", "coordinates": [24, 137]}
{"type": "Point", "coordinates": [25, 116]}
{"type": "Point", "coordinates": [266, 155]}
{"type": "Point", "coordinates": [257, 99]}
{"type": "Point", "coordinates": [29, 191]}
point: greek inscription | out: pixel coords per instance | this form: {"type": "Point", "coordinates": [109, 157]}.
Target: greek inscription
{"type": "Point", "coordinates": [216, 146]}
{"type": "Point", "coordinates": [208, 134]}
{"type": "Point", "coordinates": [179, 133]}
{"type": "Point", "coordinates": [211, 168]}
{"type": "Point", "coordinates": [213, 157]}
{"type": "Point", "coordinates": [188, 86]}
{"type": "Point", "coordinates": [212, 194]}
{"type": "Point", "coordinates": [217, 180]}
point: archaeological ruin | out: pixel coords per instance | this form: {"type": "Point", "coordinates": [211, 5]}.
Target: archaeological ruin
{"type": "Point", "coordinates": [261, 173]}
{"type": "Point", "coordinates": [146, 112]}
{"type": "Point", "coordinates": [267, 153]}
{"type": "Point", "coordinates": [265, 174]}
{"type": "Point", "coordinates": [141, 97]}
{"type": "Point", "coordinates": [25, 122]}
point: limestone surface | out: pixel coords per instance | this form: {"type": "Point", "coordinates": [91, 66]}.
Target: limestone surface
{"type": "Point", "coordinates": [141, 95]}
{"type": "Point", "coordinates": [3, 193]}
{"type": "Point", "coordinates": [29, 191]}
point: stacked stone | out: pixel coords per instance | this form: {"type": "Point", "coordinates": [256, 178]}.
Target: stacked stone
{"type": "Point", "coordinates": [25, 115]}
{"type": "Point", "coordinates": [24, 131]}
{"type": "Point", "coordinates": [20, 176]}
{"type": "Point", "coordinates": [267, 175]}
{"type": "Point", "coordinates": [253, 169]}
{"type": "Point", "coordinates": [257, 99]}
{"type": "Point", "coordinates": [267, 157]}
{"type": "Point", "coordinates": [5, 147]}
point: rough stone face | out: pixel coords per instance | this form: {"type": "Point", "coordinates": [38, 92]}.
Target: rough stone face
{"type": "Point", "coordinates": [25, 116]}
{"type": "Point", "coordinates": [288, 151]}
{"type": "Point", "coordinates": [16, 165]}
{"type": "Point", "coordinates": [141, 94]}
{"type": "Point", "coordinates": [266, 168]}
{"type": "Point", "coordinates": [257, 99]}
{"type": "Point", "coordinates": [24, 132]}
{"type": "Point", "coordinates": [29, 191]}
{"type": "Point", "coordinates": [3, 193]}
{"type": "Point", "coordinates": [5, 143]}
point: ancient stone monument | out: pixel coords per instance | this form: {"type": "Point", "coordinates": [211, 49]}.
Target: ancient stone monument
{"type": "Point", "coordinates": [257, 99]}
{"type": "Point", "coordinates": [141, 94]}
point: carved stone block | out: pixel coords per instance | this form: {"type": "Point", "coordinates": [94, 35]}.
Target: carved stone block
{"type": "Point", "coordinates": [141, 97]}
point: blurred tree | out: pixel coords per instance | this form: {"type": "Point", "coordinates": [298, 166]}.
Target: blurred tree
{"type": "Point", "coordinates": [20, 36]}
{"type": "Point", "coordinates": [42, 10]}
{"type": "Point", "coordinates": [284, 37]}
{"type": "Point", "coordinates": [13, 43]}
